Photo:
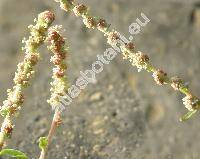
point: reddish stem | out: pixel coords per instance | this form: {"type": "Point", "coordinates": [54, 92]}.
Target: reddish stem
{"type": "Point", "coordinates": [55, 123]}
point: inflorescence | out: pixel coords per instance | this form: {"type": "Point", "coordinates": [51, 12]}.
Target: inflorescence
{"type": "Point", "coordinates": [39, 33]}
{"type": "Point", "coordinates": [25, 71]}
{"type": "Point", "coordinates": [129, 52]}
{"type": "Point", "coordinates": [56, 44]}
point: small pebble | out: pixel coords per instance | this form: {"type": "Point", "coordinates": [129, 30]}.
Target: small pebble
{"type": "Point", "coordinates": [96, 97]}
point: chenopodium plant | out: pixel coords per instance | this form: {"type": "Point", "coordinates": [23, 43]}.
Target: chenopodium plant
{"type": "Point", "coordinates": [40, 33]}
{"type": "Point", "coordinates": [137, 58]}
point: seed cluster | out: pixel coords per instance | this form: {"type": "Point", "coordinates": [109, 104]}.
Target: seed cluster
{"type": "Point", "coordinates": [138, 59]}
{"type": "Point", "coordinates": [24, 72]}
{"type": "Point", "coordinates": [56, 44]}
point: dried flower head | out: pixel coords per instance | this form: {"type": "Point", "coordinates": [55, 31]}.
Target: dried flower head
{"type": "Point", "coordinates": [160, 77]}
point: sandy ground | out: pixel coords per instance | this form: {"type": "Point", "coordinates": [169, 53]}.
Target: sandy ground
{"type": "Point", "coordinates": [124, 115]}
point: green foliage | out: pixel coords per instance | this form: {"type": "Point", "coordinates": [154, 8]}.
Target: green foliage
{"type": "Point", "coordinates": [13, 153]}
{"type": "Point", "coordinates": [188, 115]}
{"type": "Point", "coordinates": [43, 142]}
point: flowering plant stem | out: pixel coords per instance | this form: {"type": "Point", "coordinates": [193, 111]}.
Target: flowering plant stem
{"type": "Point", "coordinates": [56, 44]}
{"type": "Point", "coordinates": [55, 123]}
{"type": "Point", "coordinates": [25, 71]}
{"type": "Point", "coordinates": [137, 58]}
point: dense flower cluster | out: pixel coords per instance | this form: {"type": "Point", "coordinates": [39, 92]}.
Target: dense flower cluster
{"type": "Point", "coordinates": [7, 127]}
{"type": "Point", "coordinates": [56, 44]}
{"type": "Point", "coordinates": [160, 77]}
{"type": "Point", "coordinates": [24, 72]}
{"type": "Point", "coordinates": [113, 37]}
{"type": "Point", "coordinates": [190, 102]}
{"type": "Point", "coordinates": [138, 59]}
{"type": "Point", "coordinates": [80, 9]}
{"type": "Point", "coordinates": [127, 50]}
{"type": "Point", "coordinates": [66, 5]}
{"type": "Point", "coordinates": [90, 22]}
{"type": "Point", "coordinates": [176, 83]}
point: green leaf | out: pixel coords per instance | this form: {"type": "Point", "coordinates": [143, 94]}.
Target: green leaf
{"type": "Point", "coordinates": [43, 142]}
{"type": "Point", "coordinates": [188, 115]}
{"type": "Point", "coordinates": [13, 153]}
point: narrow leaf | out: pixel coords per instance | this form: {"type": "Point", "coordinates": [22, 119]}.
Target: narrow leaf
{"type": "Point", "coordinates": [13, 153]}
{"type": "Point", "coordinates": [188, 115]}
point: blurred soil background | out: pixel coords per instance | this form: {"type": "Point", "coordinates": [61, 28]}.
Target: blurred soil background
{"type": "Point", "coordinates": [124, 115]}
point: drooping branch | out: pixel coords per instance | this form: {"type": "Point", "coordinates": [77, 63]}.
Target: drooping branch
{"type": "Point", "coordinates": [137, 58]}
